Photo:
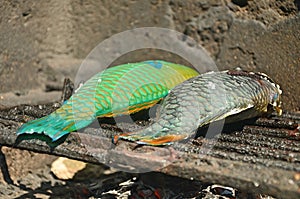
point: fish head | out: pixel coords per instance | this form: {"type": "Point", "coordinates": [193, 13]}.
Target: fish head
{"type": "Point", "coordinates": [275, 94]}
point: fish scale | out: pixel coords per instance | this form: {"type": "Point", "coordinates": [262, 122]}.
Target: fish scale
{"type": "Point", "coordinates": [207, 98]}
{"type": "Point", "coordinates": [122, 89]}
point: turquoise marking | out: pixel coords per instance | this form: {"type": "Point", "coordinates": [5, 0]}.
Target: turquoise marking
{"type": "Point", "coordinates": [155, 64]}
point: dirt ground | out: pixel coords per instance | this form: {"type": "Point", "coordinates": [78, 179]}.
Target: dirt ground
{"type": "Point", "coordinates": [41, 43]}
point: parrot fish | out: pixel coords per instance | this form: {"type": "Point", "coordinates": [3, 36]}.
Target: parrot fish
{"type": "Point", "coordinates": [207, 98]}
{"type": "Point", "coordinates": [123, 89]}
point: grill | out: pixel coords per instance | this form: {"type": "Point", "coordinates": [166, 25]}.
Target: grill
{"type": "Point", "coordinates": [259, 155]}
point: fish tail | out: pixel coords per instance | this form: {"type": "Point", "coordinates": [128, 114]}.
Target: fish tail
{"type": "Point", "coordinates": [55, 126]}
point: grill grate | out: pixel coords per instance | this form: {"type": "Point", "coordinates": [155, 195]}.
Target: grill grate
{"type": "Point", "coordinates": [260, 155]}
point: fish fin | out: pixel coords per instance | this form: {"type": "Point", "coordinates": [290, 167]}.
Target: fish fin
{"type": "Point", "coordinates": [164, 140]}
{"type": "Point", "coordinates": [116, 138]}
{"type": "Point", "coordinates": [224, 113]}
{"type": "Point", "coordinates": [144, 140]}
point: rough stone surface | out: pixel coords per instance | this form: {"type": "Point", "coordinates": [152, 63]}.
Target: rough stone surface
{"type": "Point", "coordinates": [43, 42]}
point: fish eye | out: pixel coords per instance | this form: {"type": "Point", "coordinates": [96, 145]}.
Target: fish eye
{"type": "Point", "coordinates": [275, 96]}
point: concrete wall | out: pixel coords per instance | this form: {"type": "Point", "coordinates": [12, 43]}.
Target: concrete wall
{"type": "Point", "coordinates": [41, 42]}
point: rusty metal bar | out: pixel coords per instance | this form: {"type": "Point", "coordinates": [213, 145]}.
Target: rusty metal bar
{"type": "Point", "coordinates": [244, 176]}
{"type": "Point", "coordinates": [259, 158]}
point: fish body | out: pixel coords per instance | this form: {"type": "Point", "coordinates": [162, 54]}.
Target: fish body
{"type": "Point", "coordinates": [118, 90]}
{"type": "Point", "coordinates": [207, 98]}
